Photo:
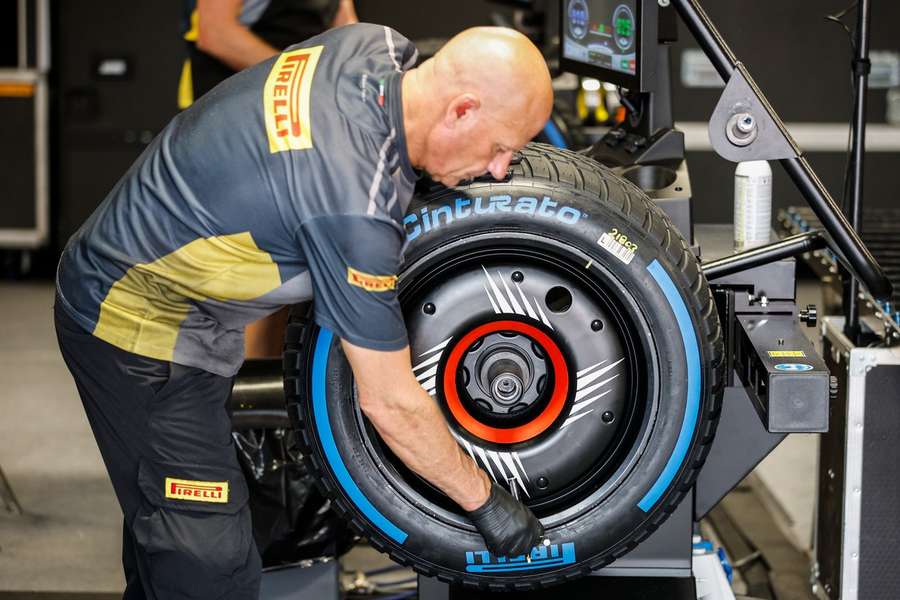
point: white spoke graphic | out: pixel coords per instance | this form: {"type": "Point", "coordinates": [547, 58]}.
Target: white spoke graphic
{"type": "Point", "coordinates": [519, 462]}
{"type": "Point", "coordinates": [440, 346]}
{"type": "Point", "coordinates": [544, 318]}
{"type": "Point", "coordinates": [585, 403]}
{"type": "Point", "coordinates": [586, 379]}
{"type": "Point", "coordinates": [498, 296]}
{"type": "Point", "coordinates": [530, 310]}
{"type": "Point", "coordinates": [587, 391]}
{"type": "Point", "coordinates": [491, 298]}
{"type": "Point", "coordinates": [483, 456]}
{"type": "Point", "coordinates": [507, 303]}
{"type": "Point", "coordinates": [503, 467]}
{"type": "Point", "coordinates": [427, 378]}
{"type": "Point", "coordinates": [512, 299]}
{"type": "Point", "coordinates": [426, 374]}
{"type": "Point", "coordinates": [589, 369]}
{"type": "Point", "coordinates": [574, 418]}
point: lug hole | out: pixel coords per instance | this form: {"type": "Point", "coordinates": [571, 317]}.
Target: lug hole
{"type": "Point", "coordinates": [608, 417]}
{"type": "Point", "coordinates": [429, 308]}
{"type": "Point", "coordinates": [464, 375]}
{"type": "Point", "coordinates": [541, 384]}
{"type": "Point", "coordinates": [538, 351]}
{"type": "Point", "coordinates": [597, 325]}
{"type": "Point", "coordinates": [558, 299]}
{"type": "Point", "coordinates": [484, 405]}
{"type": "Point", "coordinates": [518, 277]}
{"type": "Point", "coordinates": [476, 345]}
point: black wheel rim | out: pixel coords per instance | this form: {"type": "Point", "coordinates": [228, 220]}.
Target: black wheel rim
{"type": "Point", "coordinates": [560, 471]}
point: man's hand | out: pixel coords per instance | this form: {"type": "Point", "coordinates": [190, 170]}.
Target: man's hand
{"type": "Point", "coordinates": [508, 526]}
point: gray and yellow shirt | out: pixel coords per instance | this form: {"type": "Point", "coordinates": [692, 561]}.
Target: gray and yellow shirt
{"type": "Point", "coordinates": [288, 181]}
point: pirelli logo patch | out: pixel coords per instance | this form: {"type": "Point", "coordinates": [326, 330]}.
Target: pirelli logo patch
{"type": "Point", "coordinates": [371, 283]}
{"type": "Point", "coordinates": [286, 100]}
{"type": "Point", "coordinates": [197, 491]}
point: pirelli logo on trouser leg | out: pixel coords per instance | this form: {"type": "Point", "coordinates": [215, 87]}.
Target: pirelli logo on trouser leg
{"type": "Point", "coordinates": [371, 283]}
{"type": "Point", "coordinates": [197, 491]}
{"type": "Point", "coordinates": [286, 99]}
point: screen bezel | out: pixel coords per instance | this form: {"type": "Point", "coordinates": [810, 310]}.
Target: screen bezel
{"type": "Point", "coordinates": [631, 82]}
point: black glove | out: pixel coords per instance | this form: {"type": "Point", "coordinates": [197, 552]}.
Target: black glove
{"type": "Point", "coordinates": [508, 526]}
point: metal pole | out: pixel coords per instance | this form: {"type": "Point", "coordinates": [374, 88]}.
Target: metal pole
{"type": "Point", "coordinates": [789, 246]}
{"type": "Point", "coordinates": [853, 202]}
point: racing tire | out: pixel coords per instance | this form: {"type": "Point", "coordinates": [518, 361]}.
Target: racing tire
{"type": "Point", "coordinates": [573, 274]}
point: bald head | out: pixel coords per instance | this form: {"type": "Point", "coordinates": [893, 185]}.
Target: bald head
{"type": "Point", "coordinates": [502, 67]}
{"type": "Point", "coordinates": [488, 86]}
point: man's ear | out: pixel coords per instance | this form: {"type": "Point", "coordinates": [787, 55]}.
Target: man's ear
{"type": "Point", "coordinates": [461, 108]}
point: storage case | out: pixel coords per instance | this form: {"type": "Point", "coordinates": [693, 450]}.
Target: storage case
{"type": "Point", "coordinates": [858, 502]}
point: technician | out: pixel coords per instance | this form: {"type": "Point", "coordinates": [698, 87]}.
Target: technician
{"type": "Point", "coordinates": [289, 181]}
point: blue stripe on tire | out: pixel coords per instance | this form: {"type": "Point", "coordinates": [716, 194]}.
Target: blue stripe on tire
{"type": "Point", "coordinates": [326, 438]}
{"type": "Point", "coordinates": [692, 408]}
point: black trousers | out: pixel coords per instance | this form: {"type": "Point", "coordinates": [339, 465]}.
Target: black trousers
{"type": "Point", "coordinates": [165, 435]}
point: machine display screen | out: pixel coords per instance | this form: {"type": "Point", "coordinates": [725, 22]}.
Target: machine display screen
{"type": "Point", "coordinates": [602, 34]}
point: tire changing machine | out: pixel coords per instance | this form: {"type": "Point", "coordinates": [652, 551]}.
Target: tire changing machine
{"type": "Point", "coordinates": [777, 382]}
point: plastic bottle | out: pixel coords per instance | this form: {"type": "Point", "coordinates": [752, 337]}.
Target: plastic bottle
{"type": "Point", "coordinates": [752, 204]}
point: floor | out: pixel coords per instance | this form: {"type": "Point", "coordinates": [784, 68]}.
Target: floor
{"type": "Point", "coordinates": [68, 537]}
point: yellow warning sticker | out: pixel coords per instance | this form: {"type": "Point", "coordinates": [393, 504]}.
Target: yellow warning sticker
{"type": "Point", "coordinates": [787, 354]}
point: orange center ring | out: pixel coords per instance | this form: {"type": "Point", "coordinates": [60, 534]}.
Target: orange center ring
{"type": "Point", "coordinates": [534, 427]}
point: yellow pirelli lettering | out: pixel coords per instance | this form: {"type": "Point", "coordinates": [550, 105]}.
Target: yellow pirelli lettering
{"type": "Point", "coordinates": [286, 99]}
{"type": "Point", "coordinates": [787, 354]}
{"type": "Point", "coordinates": [371, 283]}
{"type": "Point", "coordinates": [197, 491]}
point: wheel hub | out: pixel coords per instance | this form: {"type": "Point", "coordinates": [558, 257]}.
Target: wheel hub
{"type": "Point", "coordinates": [495, 379]}
{"type": "Point", "coordinates": [503, 374]}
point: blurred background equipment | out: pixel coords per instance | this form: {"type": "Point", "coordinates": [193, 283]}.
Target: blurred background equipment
{"type": "Point", "coordinates": [24, 97]}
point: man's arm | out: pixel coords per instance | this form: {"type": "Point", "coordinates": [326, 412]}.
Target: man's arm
{"type": "Point", "coordinates": [412, 425]}
{"type": "Point", "coordinates": [222, 35]}
{"type": "Point", "coordinates": [346, 14]}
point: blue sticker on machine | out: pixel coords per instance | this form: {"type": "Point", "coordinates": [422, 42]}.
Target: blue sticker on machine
{"type": "Point", "coordinates": [429, 218]}
{"type": "Point", "coordinates": [795, 367]}
{"type": "Point", "coordinates": [542, 557]}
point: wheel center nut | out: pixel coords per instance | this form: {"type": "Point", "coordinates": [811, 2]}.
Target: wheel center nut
{"type": "Point", "coordinates": [507, 388]}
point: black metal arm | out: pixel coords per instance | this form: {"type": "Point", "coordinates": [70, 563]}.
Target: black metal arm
{"type": "Point", "coordinates": [789, 246]}
{"type": "Point", "coordinates": [846, 241]}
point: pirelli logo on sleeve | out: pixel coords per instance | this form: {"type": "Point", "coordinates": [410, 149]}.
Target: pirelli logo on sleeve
{"type": "Point", "coordinates": [371, 283]}
{"type": "Point", "coordinates": [197, 491]}
{"type": "Point", "coordinates": [286, 100]}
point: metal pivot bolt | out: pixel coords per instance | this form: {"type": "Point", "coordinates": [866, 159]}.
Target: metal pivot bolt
{"type": "Point", "coordinates": [742, 129]}
{"type": "Point", "coordinates": [809, 315]}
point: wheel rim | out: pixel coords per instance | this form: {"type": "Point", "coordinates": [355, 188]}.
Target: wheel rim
{"type": "Point", "coordinates": [557, 471]}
